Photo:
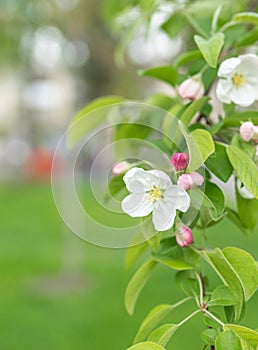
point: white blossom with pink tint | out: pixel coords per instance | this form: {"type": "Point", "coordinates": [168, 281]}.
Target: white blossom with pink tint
{"type": "Point", "coordinates": [190, 181]}
{"type": "Point", "coordinates": [247, 131]}
{"type": "Point", "coordinates": [192, 88]}
{"type": "Point", "coordinates": [184, 236]}
{"type": "Point", "coordinates": [153, 192]}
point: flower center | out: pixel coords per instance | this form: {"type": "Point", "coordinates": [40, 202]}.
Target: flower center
{"type": "Point", "coordinates": [238, 79]}
{"type": "Point", "coordinates": [155, 193]}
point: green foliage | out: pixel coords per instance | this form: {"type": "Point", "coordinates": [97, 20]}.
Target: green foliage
{"type": "Point", "coordinates": [218, 162]}
{"type": "Point", "coordinates": [167, 74]}
{"type": "Point", "coordinates": [146, 346]}
{"type": "Point", "coordinates": [248, 337]}
{"type": "Point", "coordinates": [248, 17]}
{"type": "Point", "coordinates": [163, 334]}
{"type": "Point", "coordinates": [228, 340]}
{"type": "Point", "coordinates": [210, 48]}
{"type": "Point", "coordinates": [245, 169]}
{"type": "Point", "coordinates": [137, 283]}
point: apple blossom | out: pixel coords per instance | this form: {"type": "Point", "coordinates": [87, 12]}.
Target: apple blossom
{"type": "Point", "coordinates": [190, 181]}
{"type": "Point", "coordinates": [153, 192]}
{"type": "Point", "coordinates": [238, 81]}
{"type": "Point", "coordinates": [180, 161]}
{"type": "Point", "coordinates": [192, 88]}
{"type": "Point", "coordinates": [184, 236]}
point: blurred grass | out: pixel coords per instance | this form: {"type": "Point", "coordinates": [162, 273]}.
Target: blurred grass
{"type": "Point", "coordinates": [58, 292]}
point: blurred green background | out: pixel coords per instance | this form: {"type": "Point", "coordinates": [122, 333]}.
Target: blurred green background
{"type": "Point", "coordinates": [57, 291]}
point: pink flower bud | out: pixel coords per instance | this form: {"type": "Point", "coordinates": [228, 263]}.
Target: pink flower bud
{"type": "Point", "coordinates": [191, 88]}
{"type": "Point", "coordinates": [190, 181]}
{"type": "Point", "coordinates": [180, 161]}
{"type": "Point", "coordinates": [184, 236]}
{"type": "Point", "coordinates": [247, 131]}
{"type": "Point", "coordinates": [120, 168]}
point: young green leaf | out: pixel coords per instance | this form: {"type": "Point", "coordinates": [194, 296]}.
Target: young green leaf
{"type": "Point", "coordinates": [227, 274]}
{"type": "Point", "coordinates": [247, 335]}
{"type": "Point", "coordinates": [163, 334]}
{"type": "Point", "coordinates": [205, 143]}
{"type": "Point", "coordinates": [167, 74]}
{"type": "Point", "coordinates": [236, 118]}
{"type": "Point", "coordinates": [222, 295]}
{"type": "Point", "coordinates": [157, 314]}
{"type": "Point", "coordinates": [85, 120]}
{"type": "Point", "coordinates": [246, 17]}
{"type": "Point", "coordinates": [228, 340]}
{"type": "Point", "coordinates": [146, 346]}
{"type": "Point", "coordinates": [192, 109]}
{"type": "Point", "coordinates": [152, 236]}
{"type": "Point", "coordinates": [210, 48]}
{"type": "Point", "coordinates": [234, 217]}
{"type": "Point", "coordinates": [245, 169]}
{"type": "Point", "coordinates": [219, 164]}
{"type": "Point", "coordinates": [136, 284]}
{"type": "Point", "coordinates": [187, 57]}
{"type": "Point", "coordinates": [245, 269]}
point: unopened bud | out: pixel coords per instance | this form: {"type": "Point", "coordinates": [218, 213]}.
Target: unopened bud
{"type": "Point", "coordinates": [191, 88]}
{"type": "Point", "coordinates": [120, 168]}
{"type": "Point", "coordinates": [247, 131]}
{"type": "Point", "coordinates": [190, 181]}
{"type": "Point", "coordinates": [184, 236]}
{"type": "Point", "coordinates": [180, 161]}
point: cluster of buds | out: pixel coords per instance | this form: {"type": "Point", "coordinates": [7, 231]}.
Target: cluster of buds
{"type": "Point", "coordinates": [184, 236]}
{"type": "Point", "coordinates": [191, 88]}
{"type": "Point", "coordinates": [249, 131]}
{"type": "Point", "coordinates": [190, 181]}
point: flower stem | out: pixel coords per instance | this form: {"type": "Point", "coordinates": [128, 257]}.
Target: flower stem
{"type": "Point", "coordinates": [188, 317]}
{"type": "Point", "coordinates": [213, 317]}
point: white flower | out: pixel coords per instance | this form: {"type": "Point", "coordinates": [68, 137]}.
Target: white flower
{"type": "Point", "coordinates": [239, 80]}
{"type": "Point", "coordinates": [153, 191]}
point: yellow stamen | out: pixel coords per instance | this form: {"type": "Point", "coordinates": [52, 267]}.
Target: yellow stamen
{"type": "Point", "coordinates": [155, 194]}
{"type": "Point", "coordinates": [238, 79]}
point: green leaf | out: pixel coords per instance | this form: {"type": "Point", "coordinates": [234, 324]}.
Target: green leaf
{"type": "Point", "coordinates": [245, 169]}
{"type": "Point", "coordinates": [213, 204]}
{"type": "Point", "coordinates": [174, 24]}
{"type": "Point", "coordinates": [135, 251]}
{"type": "Point", "coordinates": [215, 18]}
{"type": "Point", "coordinates": [188, 57]}
{"type": "Point", "coordinates": [227, 341]}
{"type": "Point", "coordinates": [210, 48]}
{"type": "Point", "coordinates": [247, 211]}
{"type": "Point", "coordinates": [136, 284]}
{"type": "Point", "coordinates": [116, 188]}
{"type": "Point", "coordinates": [249, 38]}
{"type": "Point", "coordinates": [247, 335]}
{"type": "Point", "coordinates": [248, 147]}
{"type": "Point", "coordinates": [245, 268]}
{"type": "Point", "coordinates": [85, 121]}
{"type": "Point", "coordinates": [236, 118]}
{"type": "Point", "coordinates": [192, 109]}
{"type": "Point", "coordinates": [167, 74]}
{"type": "Point", "coordinates": [176, 263]}
{"type": "Point", "coordinates": [149, 232]}
{"type": "Point", "coordinates": [160, 100]}
{"type": "Point", "coordinates": [146, 346]}
{"type": "Point", "coordinates": [219, 164]}
{"type": "Point", "coordinates": [157, 314]}
{"type": "Point", "coordinates": [225, 271]}
{"type": "Point", "coordinates": [205, 143]}
{"type": "Point", "coordinates": [222, 295]}
{"type": "Point", "coordinates": [209, 336]}
{"type": "Point", "coordinates": [163, 334]}
{"type": "Point", "coordinates": [246, 17]}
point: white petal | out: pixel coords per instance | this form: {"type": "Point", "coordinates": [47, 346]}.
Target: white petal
{"type": "Point", "coordinates": [138, 180]}
{"type": "Point", "coordinates": [222, 90]}
{"type": "Point", "coordinates": [137, 205]}
{"type": "Point", "coordinates": [178, 197]}
{"type": "Point", "coordinates": [162, 179]}
{"type": "Point", "coordinates": [163, 216]}
{"type": "Point", "coordinates": [228, 66]}
{"type": "Point", "coordinates": [244, 95]}
{"type": "Point", "coordinates": [248, 66]}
